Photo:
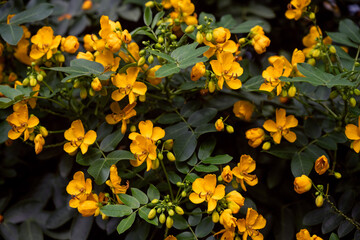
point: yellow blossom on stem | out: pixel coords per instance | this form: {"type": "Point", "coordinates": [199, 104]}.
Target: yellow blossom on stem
{"type": "Point", "coordinates": [242, 170]}
{"type": "Point", "coordinates": [227, 69]}
{"type": "Point", "coordinates": [227, 174]}
{"type": "Point", "coordinates": [219, 125]}
{"type": "Point", "coordinates": [352, 132]}
{"type": "Point", "coordinates": [77, 137]}
{"type": "Point", "coordinates": [272, 75]}
{"type": "Point", "coordinates": [282, 126]}
{"type": "Point", "coordinates": [222, 43]}
{"type": "Point", "coordinates": [91, 206]}
{"type": "Point", "coordinates": [150, 75]}
{"type": "Point", "coordinates": [128, 86]}
{"type": "Point", "coordinates": [69, 44]}
{"type": "Point", "coordinates": [243, 110]}
{"type": "Point", "coordinates": [39, 142]}
{"type": "Point", "coordinates": [170, 237]}
{"type": "Point", "coordinates": [115, 183]}
{"type": "Point", "coordinates": [256, 136]}
{"type": "Point", "coordinates": [148, 131]}
{"type": "Point", "coordinates": [106, 58]}
{"type": "Point", "coordinates": [259, 40]}
{"type": "Point", "coordinates": [197, 71]}
{"type": "Point", "coordinates": [205, 189]}
{"type": "Point", "coordinates": [251, 225]}
{"type": "Point", "coordinates": [321, 165]}
{"type": "Point", "coordinates": [122, 115]}
{"type": "Point", "coordinates": [302, 184]}
{"type": "Point", "coordinates": [312, 38]}
{"type": "Point", "coordinates": [235, 201]}
{"type": "Point", "coordinates": [299, 7]}
{"type": "Point", "coordinates": [20, 122]}
{"type": "Point", "coordinates": [79, 189]}
{"type": "Point", "coordinates": [305, 235]}
{"type": "Point", "coordinates": [44, 43]}
{"type": "Point", "coordinates": [227, 219]}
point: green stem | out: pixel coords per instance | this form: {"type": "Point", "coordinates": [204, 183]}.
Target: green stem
{"type": "Point", "coordinates": [56, 131]}
{"type": "Point", "coordinates": [167, 179]}
{"type": "Point", "coordinates": [356, 58]}
{"type": "Point", "coordinates": [192, 231]}
{"type": "Point", "coordinates": [184, 120]}
{"type": "Point", "coordinates": [47, 85]}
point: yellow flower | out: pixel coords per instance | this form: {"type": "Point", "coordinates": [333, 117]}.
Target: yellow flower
{"type": "Point", "coordinates": [227, 219]}
{"type": "Point", "coordinates": [89, 41]}
{"type": "Point", "coordinates": [219, 125]}
{"type": "Point", "coordinates": [44, 42]}
{"type": "Point", "coordinates": [259, 40]}
{"type": "Point", "coordinates": [297, 57]}
{"type": "Point", "coordinates": [205, 189]}
{"type": "Point", "coordinates": [321, 165]}
{"type": "Point", "coordinates": [106, 58]}
{"type": "Point", "coordinates": [115, 182]}
{"type": "Point", "coordinates": [128, 86]}
{"type": "Point", "coordinates": [243, 110]}
{"type": "Point", "coordinates": [352, 132]}
{"type": "Point", "coordinates": [225, 68]}
{"type": "Point", "coordinates": [69, 44]}
{"type": "Point", "coordinates": [77, 137]}
{"type": "Point", "coordinates": [79, 189]}
{"type": "Point", "coordinates": [302, 184]}
{"type": "Point", "coordinates": [235, 201]}
{"type": "Point", "coordinates": [300, 7]}
{"type": "Point", "coordinates": [256, 136]}
{"type": "Point", "coordinates": [282, 126]}
{"type": "Point", "coordinates": [197, 71]}
{"type": "Point", "coordinates": [150, 75]}
{"type": "Point", "coordinates": [170, 237]}
{"type": "Point", "coordinates": [143, 143]}
{"type": "Point", "coordinates": [251, 225]}
{"type": "Point", "coordinates": [242, 170]}
{"type": "Point", "coordinates": [312, 38]}
{"type": "Point", "coordinates": [305, 235]}
{"type": "Point", "coordinates": [39, 143]}
{"type": "Point", "coordinates": [20, 122]}
{"type": "Point", "coordinates": [88, 56]}
{"type": "Point", "coordinates": [223, 44]}
{"type": "Point", "coordinates": [227, 174]}
{"type": "Point", "coordinates": [87, 5]}
{"type": "Point", "coordinates": [272, 75]}
{"type": "Point", "coordinates": [120, 115]}
{"type": "Point", "coordinates": [134, 55]}
{"type": "Point", "coordinates": [91, 206]}
{"type": "Point", "coordinates": [22, 48]}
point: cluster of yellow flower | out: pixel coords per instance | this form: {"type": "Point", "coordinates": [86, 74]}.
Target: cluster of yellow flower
{"type": "Point", "coordinates": [222, 207]}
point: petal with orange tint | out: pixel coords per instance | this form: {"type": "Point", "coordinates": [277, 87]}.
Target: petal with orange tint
{"type": "Point", "coordinates": [14, 135]}
{"type": "Point", "coordinates": [266, 87]}
{"type": "Point", "coordinates": [33, 121]}
{"type": "Point", "coordinates": [356, 146]}
{"type": "Point", "coordinates": [90, 137]}
{"type": "Point", "coordinates": [195, 198]}
{"type": "Point", "coordinates": [352, 132]}
{"type": "Point", "coordinates": [117, 95]}
{"type": "Point", "coordinates": [277, 137]}
{"type": "Point", "coordinates": [290, 136]}
{"type": "Point", "coordinates": [69, 148]}
{"type": "Point", "coordinates": [230, 46]}
{"type": "Point", "coordinates": [139, 88]}
{"type": "Point", "coordinates": [212, 204]}
{"type": "Point", "coordinates": [84, 147]}
{"type": "Point", "coordinates": [219, 192]}
{"type": "Point", "coordinates": [291, 122]}
{"type": "Point", "coordinates": [234, 83]}
{"type": "Point", "coordinates": [146, 128]}
{"type": "Point", "coordinates": [198, 186]}
{"type": "Point", "coordinates": [209, 183]}
{"type": "Point", "coordinates": [132, 73]}
{"type": "Point", "coordinates": [157, 133]}
{"type": "Point", "coordinates": [78, 129]}
{"type": "Point", "coordinates": [216, 67]}
{"type": "Point", "coordinates": [270, 126]}
{"type": "Point", "coordinates": [280, 117]}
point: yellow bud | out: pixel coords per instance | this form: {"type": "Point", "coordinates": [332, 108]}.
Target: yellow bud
{"type": "Point", "coordinates": [168, 145]}
{"type": "Point", "coordinates": [266, 146]}
{"type": "Point", "coordinates": [311, 61]}
{"type": "Point", "coordinates": [209, 36]}
{"type": "Point", "coordinates": [292, 91]}
{"type": "Point", "coordinates": [215, 217]}
{"type": "Point", "coordinates": [150, 4]}
{"type": "Point", "coordinates": [31, 136]}
{"type": "Point", "coordinates": [155, 201]}
{"type": "Point", "coordinates": [316, 53]}
{"type": "Point", "coordinates": [242, 41]}
{"type": "Point", "coordinates": [33, 81]}
{"type": "Point", "coordinates": [179, 210]}
{"type": "Point", "coordinates": [160, 156]}
{"type": "Point", "coordinates": [357, 92]}
{"type": "Point", "coordinates": [160, 39]}
{"type": "Point", "coordinates": [199, 38]}
{"type": "Point", "coordinates": [211, 87]}
{"type": "Point", "coordinates": [229, 129]}
{"type": "Point", "coordinates": [26, 82]}
{"type": "Point", "coordinates": [142, 98]}
{"type": "Point", "coordinates": [352, 102]}
{"type": "Point", "coordinates": [60, 58]}
{"type": "Point", "coordinates": [237, 238]}
{"type": "Point", "coordinates": [284, 93]}
{"type": "Point", "coordinates": [83, 93]}
{"type": "Point", "coordinates": [133, 128]}
{"type": "Point", "coordinates": [152, 214]}
{"type": "Point", "coordinates": [319, 201]}
{"type": "Point", "coordinates": [189, 29]}
{"type": "Point", "coordinates": [170, 156]}
{"type": "Point", "coordinates": [162, 218]}
{"type": "Point", "coordinates": [332, 49]}
{"type": "Point", "coordinates": [151, 59]}
{"type": "Point", "coordinates": [337, 175]}
{"type": "Point", "coordinates": [183, 193]}
{"type": "Point", "coordinates": [43, 131]}
{"type": "Point", "coordinates": [171, 212]}
{"type": "Point", "coordinates": [141, 61]}
{"type": "Point", "coordinates": [219, 125]}
{"type": "Point", "coordinates": [39, 77]}
{"type": "Point", "coordinates": [155, 164]}
{"type": "Point", "coordinates": [96, 84]}
{"type": "Point", "coordinates": [219, 178]}
{"type": "Point", "coordinates": [169, 222]}
{"type": "Point", "coordinates": [234, 184]}
{"type": "Point", "coordinates": [76, 83]}
{"type": "Point", "coordinates": [312, 16]}
{"type": "Point", "coordinates": [173, 37]}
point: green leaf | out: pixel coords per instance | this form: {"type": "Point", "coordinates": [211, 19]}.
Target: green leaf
{"type": "Point", "coordinates": [327, 143]}
{"type": "Point", "coordinates": [219, 159]}
{"type": "Point", "coordinates": [169, 118]}
{"type": "Point", "coordinates": [331, 222]}
{"type": "Point", "coordinates": [162, 55]}
{"type": "Point", "coordinates": [207, 169]}
{"type": "Point", "coordinates": [153, 192]}
{"type": "Point", "coordinates": [246, 26]}
{"type": "Point", "coordinates": [202, 116]}
{"type": "Point", "coordinates": [11, 33]}
{"type": "Point", "coordinates": [205, 128]}
{"type": "Point", "coordinates": [144, 212]}
{"type": "Point", "coordinates": [59, 217]}
{"type": "Point", "coordinates": [314, 217]}
{"type": "Point", "coordinates": [195, 217]}
{"type": "Point", "coordinates": [206, 148]}
{"type": "Point", "coordinates": [187, 55]}
{"type": "Point", "coordinates": [90, 66]}
{"type": "Point", "coordinates": [301, 163]}
{"type": "Point", "coordinates": [126, 223]}
{"type": "Point", "coordinates": [129, 200]}
{"type": "Point", "coordinates": [111, 141]}
{"type": "Point", "coordinates": [5, 102]}
{"type": "Point", "coordinates": [91, 155]}
{"type": "Point", "coordinates": [157, 17]}
{"type": "Point", "coordinates": [180, 222]}
{"type": "Point", "coordinates": [118, 155]}
{"type": "Point", "coordinates": [30, 230]}
{"type": "Point", "coordinates": [139, 195]}
{"type": "Point", "coordinates": [167, 70]}
{"type": "Point", "coordinates": [333, 236]}
{"type": "Point", "coordinates": [253, 84]}
{"type": "Point", "coordinates": [36, 13]}
{"type": "Point", "coordinates": [10, 92]}
{"type": "Point", "coordinates": [227, 21]}
{"type": "Point", "coordinates": [341, 38]}
{"type": "Point", "coordinates": [4, 129]}
{"type": "Point", "coordinates": [204, 228]}
{"type": "Point", "coordinates": [173, 177]}
{"type": "Point", "coordinates": [147, 16]}
{"type": "Point", "coordinates": [351, 30]}
{"type": "Point", "coordinates": [184, 146]}
{"type": "Point", "coordinates": [281, 152]}
{"type": "Point", "coordinates": [100, 170]}
{"type": "Point", "coordinates": [116, 210]}
{"type": "Point", "coordinates": [185, 236]}
{"type": "Point", "coordinates": [345, 228]}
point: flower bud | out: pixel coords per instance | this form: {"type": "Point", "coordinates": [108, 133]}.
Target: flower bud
{"type": "Point", "coordinates": [169, 222]}
{"type": "Point", "coordinates": [96, 84]}
{"type": "Point", "coordinates": [141, 61]}
{"type": "Point", "coordinates": [266, 146]}
{"type": "Point", "coordinates": [173, 37]}
{"type": "Point", "coordinates": [219, 125]}
{"type": "Point", "coordinates": [333, 94]}
{"type": "Point", "coordinates": [159, 210]}
{"type": "Point", "coordinates": [158, 46]}
{"type": "Point", "coordinates": [197, 71]}
{"type": "Point", "coordinates": [183, 193]}
{"type": "Point", "coordinates": [26, 82]}
{"type": "Point", "coordinates": [319, 201]}
{"type": "Point", "coordinates": [170, 156]}
{"type": "Point", "coordinates": [292, 91]}
{"type": "Point", "coordinates": [311, 61]}
{"type": "Point", "coordinates": [229, 129]}
{"type": "Point", "coordinates": [179, 210]}
{"type": "Point", "coordinates": [312, 16]}
{"type": "Point", "coordinates": [160, 156]}
{"type": "Point", "coordinates": [44, 132]}
{"type": "Point", "coordinates": [150, 4]}
{"type": "Point", "coordinates": [168, 145]}
{"type": "Point", "coordinates": [352, 102]}
{"type": "Point", "coordinates": [189, 29]}
{"type": "Point", "coordinates": [316, 53]}
{"type": "Point", "coordinates": [209, 36]}
{"type": "Point", "coordinates": [211, 87]}
{"type": "Point", "coordinates": [219, 178]}
{"type": "Point", "coordinates": [69, 44]}
{"type": "Point", "coordinates": [32, 136]}
{"type": "Point", "coordinates": [152, 214]}
{"type": "Point", "coordinates": [162, 218]}
{"type": "Point", "coordinates": [151, 59]}
{"type": "Point", "coordinates": [155, 164]}
{"type": "Point", "coordinates": [142, 98]}
{"type": "Point", "coordinates": [302, 184]}
{"type": "Point", "coordinates": [321, 165]}
{"type": "Point", "coordinates": [160, 39]}
{"type": "Point", "coordinates": [83, 93]}
{"type": "Point", "coordinates": [87, 4]}
{"type": "Point", "coordinates": [332, 49]}
{"type": "Point", "coordinates": [215, 217]}
{"type": "Point", "coordinates": [92, 92]}
{"type": "Point", "coordinates": [60, 58]}
{"type": "Point", "coordinates": [39, 77]}
{"type": "Point", "coordinates": [155, 201]}
{"type": "Point", "coordinates": [76, 83]}
{"type": "Point", "coordinates": [171, 212]}
{"type": "Point", "coordinates": [242, 41]}
{"type": "Point", "coordinates": [199, 38]}
{"type": "Point", "coordinates": [337, 175]}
